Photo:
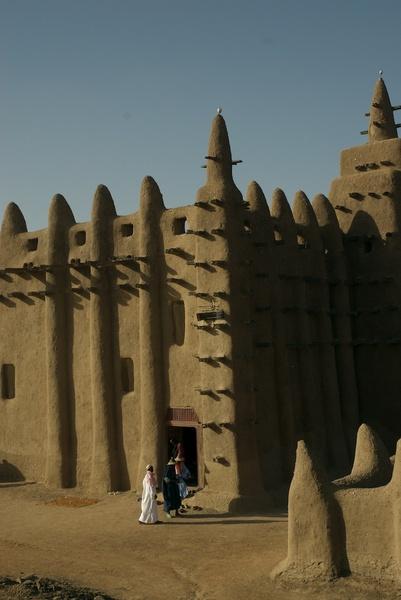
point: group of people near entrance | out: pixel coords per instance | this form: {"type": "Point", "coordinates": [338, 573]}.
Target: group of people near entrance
{"type": "Point", "coordinates": [175, 475]}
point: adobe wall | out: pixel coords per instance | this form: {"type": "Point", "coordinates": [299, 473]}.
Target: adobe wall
{"type": "Point", "coordinates": [23, 424]}
{"type": "Point", "coordinates": [49, 428]}
{"type": "Point", "coordinates": [271, 325]}
{"type": "Point", "coordinates": [142, 288]}
{"type": "Point", "coordinates": [350, 525]}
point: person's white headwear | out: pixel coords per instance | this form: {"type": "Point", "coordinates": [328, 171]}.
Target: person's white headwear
{"type": "Point", "coordinates": [148, 467]}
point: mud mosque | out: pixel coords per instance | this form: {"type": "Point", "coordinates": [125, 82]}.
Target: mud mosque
{"type": "Point", "coordinates": [239, 326]}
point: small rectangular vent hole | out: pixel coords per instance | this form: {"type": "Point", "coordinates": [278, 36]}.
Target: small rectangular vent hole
{"type": "Point", "coordinates": [127, 229]}
{"type": "Point", "coordinates": [180, 226]}
{"type": "Point", "coordinates": [210, 315]}
{"type": "Point", "coordinates": [80, 238]}
{"type": "Point", "coordinates": [32, 244]}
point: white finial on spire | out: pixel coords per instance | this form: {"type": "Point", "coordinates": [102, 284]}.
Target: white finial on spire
{"type": "Point", "coordinates": [380, 73]}
{"type": "Point", "coordinates": [219, 110]}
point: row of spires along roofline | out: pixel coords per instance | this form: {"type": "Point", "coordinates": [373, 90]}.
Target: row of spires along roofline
{"type": "Point", "coordinates": [219, 169]}
{"type": "Point", "coordinates": [60, 212]}
{"type": "Point", "coordinates": [316, 221]}
{"type": "Point", "coordinates": [219, 178]}
{"type": "Point", "coordinates": [311, 218]}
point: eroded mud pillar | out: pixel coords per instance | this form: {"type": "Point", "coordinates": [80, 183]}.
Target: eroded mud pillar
{"type": "Point", "coordinates": [340, 310]}
{"type": "Point", "coordinates": [322, 350]}
{"type": "Point", "coordinates": [58, 467]}
{"type": "Point", "coordinates": [153, 417]}
{"type": "Point", "coordinates": [104, 476]}
{"type": "Point", "coordinates": [262, 323]}
{"type": "Point", "coordinates": [287, 326]}
{"type": "Point", "coordinates": [312, 418]}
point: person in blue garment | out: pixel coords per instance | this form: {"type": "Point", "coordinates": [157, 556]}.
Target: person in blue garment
{"type": "Point", "coordinates": [182, 473]}
{"type": "Point", "coordinates": [171, 492]}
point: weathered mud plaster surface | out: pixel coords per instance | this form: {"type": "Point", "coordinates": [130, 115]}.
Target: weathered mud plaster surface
{"type": "Point", "coordinates": [256, 327]}
{"type": "Point", "coordinates": [350, 525]}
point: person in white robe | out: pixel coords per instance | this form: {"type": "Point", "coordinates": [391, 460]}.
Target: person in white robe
{"type": "Point", "coordinates": [149, 499]}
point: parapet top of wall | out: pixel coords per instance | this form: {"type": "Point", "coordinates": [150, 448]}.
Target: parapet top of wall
{"type": "Point", "coordinates": [31, 247]}
{"type": "Point", "coordinates": [26, 247]}
{"type": "Point", "coordinates": [69, 242]}
{"type": "Point", "coordinates": [384, 154]}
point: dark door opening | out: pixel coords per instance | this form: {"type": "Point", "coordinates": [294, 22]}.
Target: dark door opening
{"type": "Point", "coordinates": [187, 436]}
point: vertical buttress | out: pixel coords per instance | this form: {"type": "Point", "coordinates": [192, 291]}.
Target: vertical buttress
{"type": "Point", "coordinates": [318, 306]}
{"type": "Point", "coordinates": [286, 326]}
{"type": "Point", "coordinates": [262, 325]}
{"type": "Point", "coordinates": [58, 467]}
{"type": "Point", "coordinates": [104, 476]}
{"type": "Point", "coordinates": [153, 417]}
{"type": "Point", "coordinates": [312, 418]}
{"type": "Point", "coordinates": [341, 322]}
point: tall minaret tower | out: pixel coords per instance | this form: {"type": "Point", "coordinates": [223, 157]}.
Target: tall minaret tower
{"type": "Point", "coordinates": [366, 196]}
{"type": "Point", "coordinates": [226, 380]}
{"type": "Point", "coordinates": [367, 200]}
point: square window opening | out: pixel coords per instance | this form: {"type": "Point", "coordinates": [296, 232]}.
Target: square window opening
{"type": "Point", "coordinates": [302, 242]}
{"type": "Point", "coordinates": [32, 244]}
{"type": "Point", "coordinates": [247, 227]}
{"type": "Point", "coordinates": [80, 238]}
{"type": "Point", "coordinates": [127, 229]}
{"type": "Point", "coordinates": [278, 237]}
{"type": "Point", "coordinates": [180, 226]}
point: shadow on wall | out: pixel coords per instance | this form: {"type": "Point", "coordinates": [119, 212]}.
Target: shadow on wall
{"type": "Point", "coordinates": [363, 225]}
{"type": "Point", "coordinates": [9, 472]}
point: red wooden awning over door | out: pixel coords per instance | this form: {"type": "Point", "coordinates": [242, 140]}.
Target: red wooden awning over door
{"type": "Point", "coordinates": [186, 414]}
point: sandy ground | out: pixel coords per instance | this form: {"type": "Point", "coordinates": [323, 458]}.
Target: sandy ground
{"type": "Point", "coordinates": [195, 557]}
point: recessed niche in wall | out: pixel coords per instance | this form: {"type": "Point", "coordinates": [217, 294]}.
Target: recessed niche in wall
{"type": "Point", "coordinates": [7, 381]}
{"type": "Point", "coordinates": [180, 226]}
{"type": "Point", "coordinates": [178, 314]}
{"type": "Point", "coordinates": [32, 244]}
{"type": "Point", "coordinates": [80, 238]}
{"type": "Point", "coordinates": [127, 375]}
{"type": "Point", "coordinates": [368, 246]}
{"type": "Point", "coordinates": [127, 229]}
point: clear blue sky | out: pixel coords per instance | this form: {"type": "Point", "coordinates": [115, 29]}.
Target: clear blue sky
{"type": "Point", "coordinates": [108, 91]}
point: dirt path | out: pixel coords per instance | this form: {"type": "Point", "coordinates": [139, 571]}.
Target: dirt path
{"type": "Point", "coordinates": [196, 557]}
